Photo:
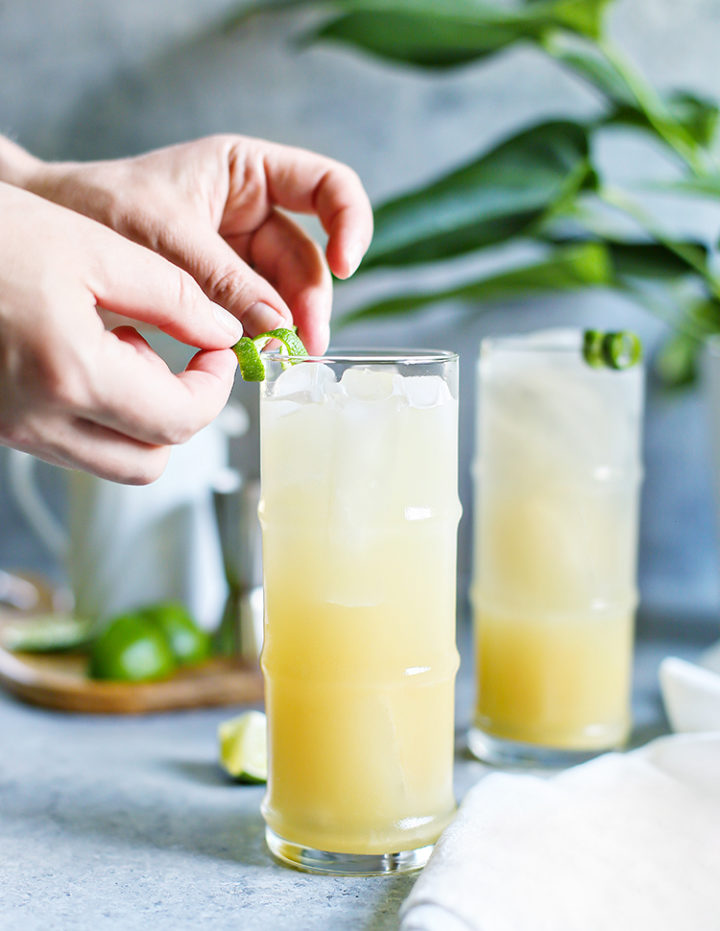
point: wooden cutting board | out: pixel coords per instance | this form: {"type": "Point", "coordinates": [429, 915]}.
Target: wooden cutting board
{"type": "Point", "coordinates": [58, 680]}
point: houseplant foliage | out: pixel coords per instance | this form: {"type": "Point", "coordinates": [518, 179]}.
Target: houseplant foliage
{"type": "Point", "coordinates": [541, 186]}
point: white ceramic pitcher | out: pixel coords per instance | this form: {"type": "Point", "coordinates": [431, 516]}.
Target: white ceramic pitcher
{"type": "Point", "coordinates": [126, 545]}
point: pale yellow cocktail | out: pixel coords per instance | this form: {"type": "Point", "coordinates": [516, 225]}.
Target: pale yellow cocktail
{"type": "Point", "coordinates": [554, 593]}
{"type": "Point", "coordinates": [359, 514]}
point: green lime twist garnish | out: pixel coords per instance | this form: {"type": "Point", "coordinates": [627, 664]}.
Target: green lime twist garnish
{"type": "Point", "coordinates": [620, 349]}
{"type": "Point", "coordinates": [247, 349]}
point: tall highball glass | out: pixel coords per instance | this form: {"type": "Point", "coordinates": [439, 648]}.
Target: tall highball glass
{"type": "Point", "coordinates": [556, 519]}
{"type": "Point", "coordinates": [359, 513]}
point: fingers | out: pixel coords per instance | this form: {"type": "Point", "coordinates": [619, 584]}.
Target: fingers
{"type": "Point", "coordinates": [76, 443]}
{"type": "Point", "coordinates": [293, 263]}
{"type": "Point", "coordinates": [137, 283]}
{"type": "Point", "coordinates": [223, 274]}
{"type": "Point", "coordinates": [112, 455]}
{"type": "Point", "coordinates": [137, 395]}
{"type": "Point", "coordinates": [304, 182]}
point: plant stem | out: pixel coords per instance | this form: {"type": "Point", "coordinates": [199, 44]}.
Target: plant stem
{"type": "Point", "coordinates": [618, 199]}
{"type": "Point", "coordinates": [654, 108]}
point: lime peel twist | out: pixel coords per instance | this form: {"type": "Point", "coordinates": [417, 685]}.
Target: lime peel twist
{"type": "Point", "coordinates": [247, 349]}
{"type": "Point", "coordinates": [617, 349]}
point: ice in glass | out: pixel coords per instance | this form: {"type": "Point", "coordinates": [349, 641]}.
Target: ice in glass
{"type": "Point", "coordinates": [556, 515]}
{"type": "Point", "coordinates": [359, 514]}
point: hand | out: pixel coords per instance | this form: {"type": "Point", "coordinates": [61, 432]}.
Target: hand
{"type": "Point", "coordinates": [75, 393]}
{"type": "Point", "coordinates": [215, 206]}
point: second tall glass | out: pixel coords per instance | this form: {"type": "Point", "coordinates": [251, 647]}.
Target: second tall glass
{"type": "Point", "coordinates": [556, 516]}
{"type": "Point", "coordinates": [359, 513]}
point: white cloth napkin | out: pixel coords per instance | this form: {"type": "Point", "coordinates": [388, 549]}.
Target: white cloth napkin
{"type": "Point", "coordinates": [691, 692]}
{"type": "Point", "coordinates": [626, 842]}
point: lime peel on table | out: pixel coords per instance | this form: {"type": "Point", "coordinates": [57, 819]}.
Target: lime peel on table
{"type": "Point", "coordinates": [243, 747]}
{"type": "Point", "coordinates": [247, 349]}
{"type": "Point", "coordinates": [618, 349]}
{"type": "Point", "coordinates": [47, 633]}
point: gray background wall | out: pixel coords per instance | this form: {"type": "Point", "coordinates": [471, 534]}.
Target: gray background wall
{"type": "Point", "coordinates": [95, 78]}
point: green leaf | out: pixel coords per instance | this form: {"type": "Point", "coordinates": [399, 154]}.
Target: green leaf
{"type": "Point", "coordinates": [676, 362]}
{"type": "Point", "coordinates": [698, 115]}
{"type": "Point", "coordinates": [698, 118]}
{"type": "Point", "coordinates": [705, 186]}
{"type": "Point", "coordinates": [432, 34]}
{"type": "Point", "coordinates": [569, 268]}
{"type": "Point", "coordinates": [655, 261]}
{"type": "Point", "coordinates": [491, 199]}
{"type": "Point", "coordinates": [643, 259]}
{"type": "Point", "coordinates": [683, 121]}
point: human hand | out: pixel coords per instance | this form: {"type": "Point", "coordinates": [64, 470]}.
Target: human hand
{"type": "Point", "coordinates": [215, 207]}
{"type": "Point", "coordinates": [75, 393]}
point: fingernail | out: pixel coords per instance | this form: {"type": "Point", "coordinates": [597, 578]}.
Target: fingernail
{"type": "Point", "coordinates": [354, 253]}
{"type": "Point", "coordinates": [264, 317]}
{"type": "Point", "coordinates": [323, 336]}
{"type": "Point", "coordinates": [228, 322]}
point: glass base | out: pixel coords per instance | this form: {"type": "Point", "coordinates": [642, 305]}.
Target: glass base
{"type": "Point", "coordinates": [499, 751]}
{"type": "Point", "coordinates": [345, 864]}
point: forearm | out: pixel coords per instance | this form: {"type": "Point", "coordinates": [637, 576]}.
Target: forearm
{"type": "Point", "coordinates": [17, 166]}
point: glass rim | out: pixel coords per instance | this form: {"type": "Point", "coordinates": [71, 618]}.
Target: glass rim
{"type": "Point", "coordinates": [369, 356]}
{"type": "Point", "coordinates": [524, 342]}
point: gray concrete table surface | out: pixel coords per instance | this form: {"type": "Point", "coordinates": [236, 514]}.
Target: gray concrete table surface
{"type": "Point", "coordinates": [128, 822]}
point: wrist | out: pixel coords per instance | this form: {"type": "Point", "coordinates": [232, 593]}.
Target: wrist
{"type": "Point", "coordinates": [17, 167]}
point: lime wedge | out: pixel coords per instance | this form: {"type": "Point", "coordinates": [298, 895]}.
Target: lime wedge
{"type": "Point", "coordinates": [247, 350]}
{"type": "Point", "coordinates": [243, 747]}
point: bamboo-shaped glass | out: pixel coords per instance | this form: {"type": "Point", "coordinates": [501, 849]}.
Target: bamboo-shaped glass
{"type": "Point", "coordinates": [359, 513]}
{"type": "Point", "coordinates": [556, 516]}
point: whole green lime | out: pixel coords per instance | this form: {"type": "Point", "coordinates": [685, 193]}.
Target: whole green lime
{"type": "Point", "coordinates": [130, 649]}
{"type": "Point", "coordinates": [188, 642]}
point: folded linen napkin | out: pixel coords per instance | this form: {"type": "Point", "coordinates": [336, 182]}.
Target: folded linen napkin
{"type": "Point", "coordinates": [691, 692]}
{"type": "Point", "coordinates": [626, 842]}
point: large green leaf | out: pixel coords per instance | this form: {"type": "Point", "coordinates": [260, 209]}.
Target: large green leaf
{"type": "Point", "coordinates": [489, 200]}
{"type": "Point", "coordinates": [676, 361]}
{"type": "Point", "coordinates": [569, 268]}
{"type": "Point", "coordinates": [684, 121]}
{"type": "Point", "coordinates": [655, 261]}
{"type": "Point", "coordinates": [453, 32]}
{"type": "Point", "coordinates": [696, 117]}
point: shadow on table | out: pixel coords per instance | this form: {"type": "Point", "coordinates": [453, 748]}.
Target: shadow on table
{"type": "Point", "coordinates": [200, 771]}
{"type": "Point", "coordinates": [385, 917]}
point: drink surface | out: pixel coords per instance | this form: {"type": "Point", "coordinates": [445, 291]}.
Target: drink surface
{"type": "Point", "coordinates": [359, 513]}
{"type": "Point", "coordinates": [555, 547]}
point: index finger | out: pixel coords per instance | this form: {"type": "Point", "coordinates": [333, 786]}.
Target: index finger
{"type": "Point", "coordinates": [305, 182]}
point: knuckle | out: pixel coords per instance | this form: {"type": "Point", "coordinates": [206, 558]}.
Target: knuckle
{"type": "Point", "coordinates": [147, 469]}
{"type": "Point", "coordinates": [223, 285]}
{"type": "Point", "coordinates": [175, 434]}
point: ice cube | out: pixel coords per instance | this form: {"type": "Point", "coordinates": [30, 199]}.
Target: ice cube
{"type": "Point", "coordinates": [368, 383]}
{"type": "Point", "coordinates": [305, 381]}
{"type": "Point", "coordinates": [425, 390]}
